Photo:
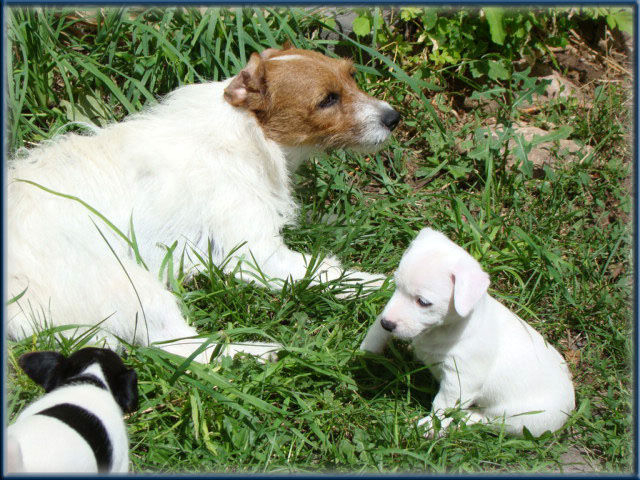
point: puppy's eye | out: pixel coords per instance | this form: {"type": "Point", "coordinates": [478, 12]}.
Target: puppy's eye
{"type": "Point", "coordinates": [422, 302]}
{"type": "Point", "coordinates": [329, 100]}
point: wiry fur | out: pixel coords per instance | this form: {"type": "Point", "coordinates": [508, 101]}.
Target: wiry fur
{"type": "Point", "coordinates": [488, 361]}
{"type": "Point", "coordinates": [209, 167]}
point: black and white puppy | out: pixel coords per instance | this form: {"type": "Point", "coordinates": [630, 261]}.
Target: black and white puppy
{"type": "Point", "coordinates": [77, 426]}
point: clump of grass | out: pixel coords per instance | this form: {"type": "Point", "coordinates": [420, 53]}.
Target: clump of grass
{"type": "Point", "coordinates": [557, 247]}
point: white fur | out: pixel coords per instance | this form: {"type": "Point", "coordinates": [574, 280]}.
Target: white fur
{"type": "Point", "coordinates": [369, 112]}
{"type": "Point", "coordinates": [193, 169]}
{"type": "Point", "coordinates": [285, 58]}
{"type": "Point", "coordinates": [42, 444]}
{"type": "Point", "coordinates": [487, 360]}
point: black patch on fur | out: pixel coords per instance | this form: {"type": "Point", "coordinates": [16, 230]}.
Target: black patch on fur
{"type": "Point", "coordinates": [85, 379]}
{"type": "Point", "coordinates": [88, 427]}
{"type": "Point", "coordinates": [52, 370]}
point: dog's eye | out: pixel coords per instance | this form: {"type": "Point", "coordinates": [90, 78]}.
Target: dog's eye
{"type": "Point", "coordinates": [422, 302]}
{"type": "Point", "coordinates": [329, 100]}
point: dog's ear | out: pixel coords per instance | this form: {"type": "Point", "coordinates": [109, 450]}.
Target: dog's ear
{"type": "Point", "coordinates": [470, 282]}
{"type": "Point", "coordinates": [248, 88]}
{"type": "Point", "coordinates": [125, 390]}
{"type": "Point", "coordinates": [287, 45]}
{"type": "Point", "coordinates": [44, 368]}
{"type": "Point", "coordinates": [267, 53]}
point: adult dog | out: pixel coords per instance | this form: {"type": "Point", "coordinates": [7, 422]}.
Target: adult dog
{"type": "Point", "coordinates": [488, 361]}
{"type": "Point", "coordinates": [209, 167]}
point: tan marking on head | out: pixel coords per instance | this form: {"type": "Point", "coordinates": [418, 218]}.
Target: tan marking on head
{"type": "Point", "coordinates": [305, 99]}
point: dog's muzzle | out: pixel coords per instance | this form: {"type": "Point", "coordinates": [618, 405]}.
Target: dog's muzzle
{"type": "Point", "coordinates": [387, 325]}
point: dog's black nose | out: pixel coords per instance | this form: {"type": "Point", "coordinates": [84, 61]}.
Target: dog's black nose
{"type": "Point", "coordinates": [390, 118]}
{"type": "Point", "coordinates": [387, 325]}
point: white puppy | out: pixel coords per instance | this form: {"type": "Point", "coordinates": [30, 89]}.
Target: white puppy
{"type": "Point", "coordinates": [206, 171]}
{"type": "Point", "coordinates": [487, 360]}
{"type": "Point", "coordinates": [77, 426]}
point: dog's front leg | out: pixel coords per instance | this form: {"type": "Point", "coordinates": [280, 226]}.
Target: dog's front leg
{"type": "Point", "coordinates": [368, 282]}
{"type": "Point", "coordinates": [376, 339]}
{"type": "Point", "coordinates": [277, 263]}
{"type": "Point", "coordinates": [149, 314]}
{"type": "Point", "coordinates": [185, 347]}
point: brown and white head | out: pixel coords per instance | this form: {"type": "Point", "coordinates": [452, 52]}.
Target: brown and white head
{"type": "Point", "coordinates": [305, 99]}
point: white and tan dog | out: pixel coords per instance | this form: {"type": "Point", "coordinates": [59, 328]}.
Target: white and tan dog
{"type": "Point", "coordinates": [488, 361]}
{"type": "Point", "coordinates": [209, 167]}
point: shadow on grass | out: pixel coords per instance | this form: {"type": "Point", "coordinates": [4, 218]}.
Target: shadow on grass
{"type": "Point", "coordinates": [394, 374]}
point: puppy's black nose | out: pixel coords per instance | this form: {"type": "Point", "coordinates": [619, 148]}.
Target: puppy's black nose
{"type": "Point", "coordinates": [390, 118]}
{"type": "Point", "coordinates": [387, 325]}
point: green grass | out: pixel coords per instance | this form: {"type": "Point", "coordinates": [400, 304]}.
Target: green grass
{"type": "Point", "coordinates": [556, 243]}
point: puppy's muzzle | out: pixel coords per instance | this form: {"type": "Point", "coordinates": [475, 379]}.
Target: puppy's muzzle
{"type": "Point", "coordinates": [390, 118]}
{"type": "Point", "coordinates": [387, 325]}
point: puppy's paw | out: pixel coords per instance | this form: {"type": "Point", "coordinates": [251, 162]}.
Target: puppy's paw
{"type": "Point", "coordinates": [431, 429]}
{"type": "Point", "coordinates": [427, 424]}
{"type": "Point", "coordinates": [371, 347]}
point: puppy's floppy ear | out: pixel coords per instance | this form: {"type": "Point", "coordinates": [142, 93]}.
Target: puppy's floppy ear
{"type": "Point", "coordinates": [470, 282]}
{"type": "Point", "coordinates": [44, 368]}
{"type": "Point", "coordinates": [287, 45]}
{"type": "Point", "coordinates": [248, 88]}
{"type": "Point", "coordinates": [125, 390]}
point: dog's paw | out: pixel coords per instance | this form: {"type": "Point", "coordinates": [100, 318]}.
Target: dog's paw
{"type": "Point", "coordinates": [356, 283]}
{"type": "Point", "coordinates": [264, 352]}
{"type": "Point", "coordinates": [372, 281]}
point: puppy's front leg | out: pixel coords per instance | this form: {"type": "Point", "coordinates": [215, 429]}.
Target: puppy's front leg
{"type": "Point", "coordinates": [376, 339]}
